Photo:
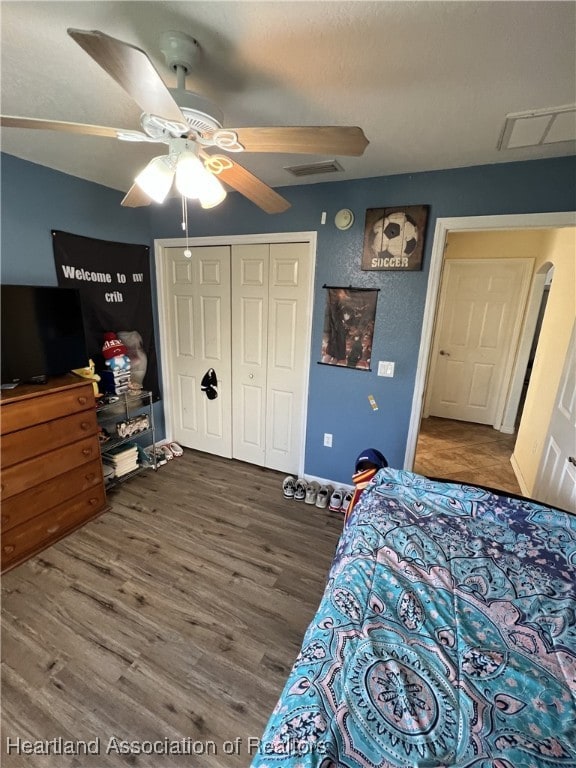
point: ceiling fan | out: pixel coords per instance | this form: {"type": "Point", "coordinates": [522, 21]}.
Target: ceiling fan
{"type": "Point", "coordinates": [192, 128]}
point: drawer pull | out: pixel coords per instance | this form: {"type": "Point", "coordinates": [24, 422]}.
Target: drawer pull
{"type": "Point", "coordinates": [86, 451]}
{"type": "Point", "coordinates": [92, 502]}
{"type": "Point", "coordinates": [9, 548]}
{"type": "Point", "coordinates": [53, 529]}
{"type": "Point", "coordinates": [85, 425]}
{"type": "Point", "coordinates": [82, 400]}
{"type": "Point", "coordinates": [90, 476]}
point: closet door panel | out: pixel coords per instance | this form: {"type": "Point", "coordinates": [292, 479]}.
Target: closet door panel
{"type": "Point", "coordinates": [250, 270]}
{"type": "Point", "coordinates": [198, 295]}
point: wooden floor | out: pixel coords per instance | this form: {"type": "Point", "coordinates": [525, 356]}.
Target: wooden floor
{"type": "Point", "coordinates": [177, 615]}
{"type": "Point", "coordinates": [470, 453]}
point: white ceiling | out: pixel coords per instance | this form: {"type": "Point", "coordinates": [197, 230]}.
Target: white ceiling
{"type": "Point", "coordinates": [429, 82]}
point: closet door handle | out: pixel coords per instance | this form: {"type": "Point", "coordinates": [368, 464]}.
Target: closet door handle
{"type": "Point", "coordinates": [444, 353]}
{"type": "Point", "coordinates": [572, 460]}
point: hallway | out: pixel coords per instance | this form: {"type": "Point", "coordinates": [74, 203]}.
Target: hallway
{"type": "Point", "coordinates": [465, 452]}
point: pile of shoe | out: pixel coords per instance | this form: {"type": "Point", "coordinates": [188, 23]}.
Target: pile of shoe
{"type": "Point", "coordinates": [322, 496]}
{"type": "Point", "coordinates": [163, 453]}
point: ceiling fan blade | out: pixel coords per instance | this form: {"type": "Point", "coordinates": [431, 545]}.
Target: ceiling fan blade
{"type": "Point", "coordinates": [322, 140]}
{"type": "Point", "coordinates": [11, 121]}
{"type": "Point", "coordinates": [135, 198]}
{"type": "Point", "coordinates": [249, 185]}
{"type": "Point", "coordinates": [132, 70]}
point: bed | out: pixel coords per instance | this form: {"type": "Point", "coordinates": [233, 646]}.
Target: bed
{"type": "Point", "coordinates": [446, 636]}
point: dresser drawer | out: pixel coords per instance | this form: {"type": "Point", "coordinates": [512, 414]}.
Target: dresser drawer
{"type": "Point", "coordinates": [24, 506]}
{"type": "Point", "coordinates": [26, 443]}
{"type": "Point", "coordinates": [32, 472]}
{"type": "Point", "coordinates": [21, 414]}
{"type": "Point", "coordinates": [24, 540]}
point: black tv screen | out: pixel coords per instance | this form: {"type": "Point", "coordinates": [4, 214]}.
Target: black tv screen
{"type": "Point", "coordinates": [42, 332]}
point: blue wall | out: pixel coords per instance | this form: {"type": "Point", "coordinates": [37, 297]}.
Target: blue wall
{"type": "Point", "coordinates": [338, 397]}
{"type": "Point", "coordinates": [35, 200]}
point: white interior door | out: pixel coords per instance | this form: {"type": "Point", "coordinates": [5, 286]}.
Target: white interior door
{"type": "Point", "coordinates": [197, 291]}
{"type": "Point", "coordinates": [270, 322]}
{"type": "Point", "coordinates": [479, 319]}
{"type": "Point", "coordinates": [289, 314]}
{"type": "Point", "coordinates": [556, 480]}
{"type": "Point", "coordinates": [250, 265]}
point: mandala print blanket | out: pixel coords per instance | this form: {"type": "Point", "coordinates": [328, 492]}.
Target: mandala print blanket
{"type": "Point", "coordinates": [446, 636]}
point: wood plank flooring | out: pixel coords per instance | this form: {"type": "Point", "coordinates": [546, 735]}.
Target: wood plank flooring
{"type": "Point", "coordinates": [176, 615]}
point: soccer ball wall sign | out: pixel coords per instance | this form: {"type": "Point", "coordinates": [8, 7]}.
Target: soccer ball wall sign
{"type": "Point", "coordinates": [394, 238]}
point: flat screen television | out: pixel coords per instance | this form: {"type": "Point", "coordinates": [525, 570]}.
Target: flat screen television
{"type": "Point", "coordinates": [42, 333]}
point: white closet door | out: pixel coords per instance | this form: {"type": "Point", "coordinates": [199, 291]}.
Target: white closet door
{"type": "Point", "coordinates": [288, 323]}
{"type": "Point", "coordinates": [270, 321]}
{"type": "Point", "coordinates": [250, 264]}
{"type": "Point", "coordinates": [198, 293]}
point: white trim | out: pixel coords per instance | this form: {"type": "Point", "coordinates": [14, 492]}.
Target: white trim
{"type": "Point", "coordinates": [160, 245]}
{"type": "Point", "coordinates": [460, 224]}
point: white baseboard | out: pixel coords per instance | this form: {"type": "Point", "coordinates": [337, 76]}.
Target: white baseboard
{"type": "Point", "coordinates": [323, 481]}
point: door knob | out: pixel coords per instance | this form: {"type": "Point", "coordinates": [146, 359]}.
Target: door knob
{"type": "Point", "coordinates": [572, 460]}
{"type": "Point", "coordinates": [250, 375]}
{"type": "Point", "coordinates": [443, 352]}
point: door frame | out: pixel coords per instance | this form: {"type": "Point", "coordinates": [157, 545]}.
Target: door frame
{"type": "Point", "coordinates": [161, 244]}
{"type": "Point", "coordinates": [552, 220]}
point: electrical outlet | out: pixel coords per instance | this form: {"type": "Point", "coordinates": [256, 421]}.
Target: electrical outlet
{"type": "Point", "coordinates": [327, 440]}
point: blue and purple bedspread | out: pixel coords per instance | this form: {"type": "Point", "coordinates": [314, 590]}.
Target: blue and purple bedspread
{"type": "Point", "coordinates": [446, 636]}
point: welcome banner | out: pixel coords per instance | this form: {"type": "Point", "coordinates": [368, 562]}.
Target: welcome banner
{"type": "Point", "coordinates": [115, 290]}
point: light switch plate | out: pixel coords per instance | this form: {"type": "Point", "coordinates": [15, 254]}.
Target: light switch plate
{"type": "Point", "coordinates": [385, 368]}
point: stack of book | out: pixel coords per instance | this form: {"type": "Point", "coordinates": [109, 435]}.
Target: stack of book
{"type": "Point", "coordinates": [123, 459]}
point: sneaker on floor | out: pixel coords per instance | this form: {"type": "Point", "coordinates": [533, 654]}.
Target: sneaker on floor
{"type": "Point", "coordinates": [312, 492]}
{"type": "Point", "coordinates": [288, 487]}
{"type": "Point", "coordinates": [300, 489]}
{"type": "Point", "coordinates": [348, 496]}
{"type": "Point", "coordinates": [336, 500]}
{"type": "Point", "coordinates": [323, 496]}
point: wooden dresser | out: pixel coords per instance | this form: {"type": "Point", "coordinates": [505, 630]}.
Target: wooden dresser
{"type": "Point", "coordinates": [50, 463]}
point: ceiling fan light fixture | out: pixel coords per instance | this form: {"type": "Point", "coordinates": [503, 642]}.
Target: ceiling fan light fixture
{"type": "Point", "coordinates": [190, 174]}
{"type": "Point", "coordinates": [156, 178]}
{"type": "Point", "coordinates": [213, 193]}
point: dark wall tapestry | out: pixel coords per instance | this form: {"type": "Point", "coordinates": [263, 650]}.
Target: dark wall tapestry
{"type": "Point", "coordinates": [349, 327]}
{"type": "Point", "coordinates": [115, 289]}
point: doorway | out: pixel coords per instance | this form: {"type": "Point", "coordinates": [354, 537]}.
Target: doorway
{"type": "Point", "coordinates": [241, 308]}
{"type": "Point", "coordinates": [443, 228]}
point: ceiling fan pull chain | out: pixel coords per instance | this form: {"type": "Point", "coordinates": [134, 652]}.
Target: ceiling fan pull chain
{"type": "Point", "coordinates": [187, 251]}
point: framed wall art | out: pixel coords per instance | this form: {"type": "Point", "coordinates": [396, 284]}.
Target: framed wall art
{"type": "Point", "coordinates": [394, 238]}
{"type": "Point", "coordinates": [348, 327]}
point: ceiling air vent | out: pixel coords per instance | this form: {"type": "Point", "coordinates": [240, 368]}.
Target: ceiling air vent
{"type": "Point", "coordinates": [539, 126]}
{"type": "Point", "coordinates": [312, 169]}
